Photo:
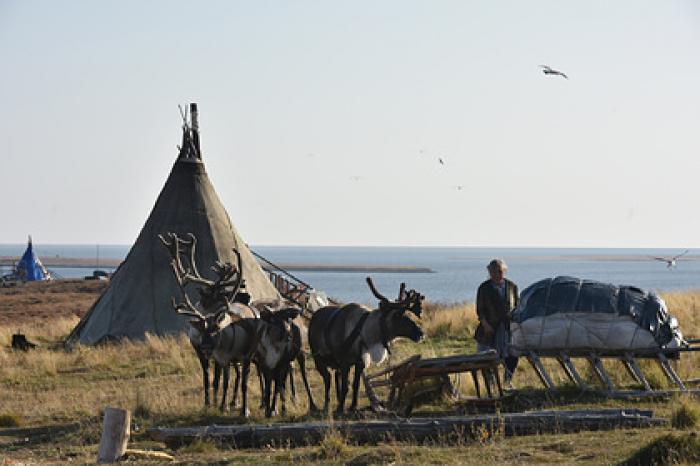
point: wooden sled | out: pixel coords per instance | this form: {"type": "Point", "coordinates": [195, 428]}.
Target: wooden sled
{"type": "Point", "coordinates": [413, 378]}
{"type": "Point", "coordinates": [629, 360]}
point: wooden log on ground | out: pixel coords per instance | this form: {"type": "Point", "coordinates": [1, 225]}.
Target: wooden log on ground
{"type": "Point", "coordinates": [40, 431]}
{"type": "Point", "coordinates": [115, 435]}
{"type": "Point", "coordinates": [415, 429]}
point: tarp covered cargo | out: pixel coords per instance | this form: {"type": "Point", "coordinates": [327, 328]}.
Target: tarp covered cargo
{"type": "Point", "coordinates": [567, 313]}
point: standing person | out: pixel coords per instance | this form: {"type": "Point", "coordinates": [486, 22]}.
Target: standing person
{"type": "Point", "coordinates": [495, 299]}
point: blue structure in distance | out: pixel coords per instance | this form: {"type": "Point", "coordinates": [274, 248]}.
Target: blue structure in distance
{"type": "Point", "coordinates": [29, 268]}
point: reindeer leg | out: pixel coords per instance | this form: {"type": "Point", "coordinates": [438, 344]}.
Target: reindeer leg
{"type": "Point", "coordinates": [292, 388]}
{"type": "Point", "coordinates": [338, 383]}
{"type": "Point", "coordinates": [280, 388]}
{"type": "Point", "coordinates": [226, 372]}
{"type": "Point", "coordinates": [344, 372]}
{"type": "Point", "coordinates": [234, 395]}
{"type": "Point", "coordinates": [217, 377]}
{"type": "Point", "coordinates": [323, 370]}
{"type": "Point", "coordinates": [244, 389]}
{"type": "Point", "coordinates": [359, 367]}
{"type": "Point", "coordinates": [263, 382]}
{"type": "Point", "coordinates": [302, 369]}
{"type": "Point", "coordinates": [268, 391]}
{"type": "Point", "coordinates": [204, 362]}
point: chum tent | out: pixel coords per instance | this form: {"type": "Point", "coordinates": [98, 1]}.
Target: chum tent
{"type": "Point", "coordinates": [139, 296]}
{"type": "Point", "coordinates": [29, 268]}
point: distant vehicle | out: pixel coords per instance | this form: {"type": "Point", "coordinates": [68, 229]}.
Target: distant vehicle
{"type": "Point", "coordinates": [98, 275]}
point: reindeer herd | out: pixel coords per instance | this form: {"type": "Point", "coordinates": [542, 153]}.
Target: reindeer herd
{"type": "Point", "coordinates": [227, 329]}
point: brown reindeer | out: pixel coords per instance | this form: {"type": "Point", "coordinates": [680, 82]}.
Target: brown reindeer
{"type": "Point", "coordinates": [353, 335]}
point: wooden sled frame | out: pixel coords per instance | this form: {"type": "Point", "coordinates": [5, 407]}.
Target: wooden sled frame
{"type": "Point", "coordinates": [403, 379]}
{"type": "Point", "coordinates": [628, 359]}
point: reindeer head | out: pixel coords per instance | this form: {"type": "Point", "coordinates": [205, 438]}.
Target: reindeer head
{"type": "Point", "coordinates": [215, 295]}
{"type": "Point", "coordinates": [280, 321]}
{"type": "Point", "coordinates": [394, 320]}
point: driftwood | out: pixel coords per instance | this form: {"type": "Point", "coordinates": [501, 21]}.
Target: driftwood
{"type": "Point", "coordinates": [33, 435]}
{"type": "Point", "coordinates": [115, 435]}
{"type": "Point", "coordinates": [416, 429]}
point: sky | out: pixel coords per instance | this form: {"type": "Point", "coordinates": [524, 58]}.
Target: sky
{"type": "Point", "coordinates": [322, 122]}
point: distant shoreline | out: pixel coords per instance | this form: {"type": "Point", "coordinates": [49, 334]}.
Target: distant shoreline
{"type": "Point", "coordinates": [81, 263]}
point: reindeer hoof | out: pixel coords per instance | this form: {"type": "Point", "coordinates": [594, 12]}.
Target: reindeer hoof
{"type": "Point", "coordinates": [313, 410]}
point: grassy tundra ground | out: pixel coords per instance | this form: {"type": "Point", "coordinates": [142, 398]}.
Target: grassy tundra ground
{"type": "Point", "coordinates": [159, 381]}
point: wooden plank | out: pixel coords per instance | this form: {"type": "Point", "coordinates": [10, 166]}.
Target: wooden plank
{"type": "Point", "coordinates": [540, 371]}
{"type": "Point", "coordinates": [636, 372]}
{"type": "Point", "coordinates": [670, 373]}
{"type": "Point", "coordinates": [416, 430]}
{"type": "Point", "coordinates": [392, 368]}
{"type": "Point", "coordinates": [570, 370]}
{"type": "Point", "coordinates": [40, 430]}
{"type": "Point", "coordinates": [599, 370]}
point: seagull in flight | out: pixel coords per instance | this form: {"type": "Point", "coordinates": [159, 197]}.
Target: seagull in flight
{"type": "Point", "coordinates": [671, 262]}
{"type": "Point", "coordinates": [547, 70]}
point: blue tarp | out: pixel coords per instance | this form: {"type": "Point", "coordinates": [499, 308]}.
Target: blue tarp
{"type": "Point", "coordinates": [29, 268]}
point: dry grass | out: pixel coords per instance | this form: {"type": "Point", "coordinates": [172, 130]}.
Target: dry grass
{"type": "Point", "coordinates": [449, 321]}
{"type": "Point", "coordinates": [159, 380]}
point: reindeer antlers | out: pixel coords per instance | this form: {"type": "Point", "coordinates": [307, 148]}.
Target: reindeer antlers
{"type": "Point", "coordinates": [229, 280]}
{"type": "Point", "coordinates": [374, 290]}
{"type": "Point", "coordinates": [408, 300]}
{"type": "Point", "coordinates": [184, 276]}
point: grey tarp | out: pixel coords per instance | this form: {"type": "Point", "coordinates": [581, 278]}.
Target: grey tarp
{"type": "Point", "coordinates": [571, 313]}
{"type": "Point", "coordinates": [138, 299]}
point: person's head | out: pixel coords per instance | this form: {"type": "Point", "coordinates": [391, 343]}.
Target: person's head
{"type": "Point", "coordinates": [497, 270]}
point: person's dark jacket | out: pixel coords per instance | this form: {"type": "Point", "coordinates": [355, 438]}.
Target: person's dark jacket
{"type": "Point", "coordinates": [493, 309]}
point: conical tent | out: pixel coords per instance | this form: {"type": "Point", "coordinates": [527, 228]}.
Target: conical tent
{"type": "Point", "coordinates": [29, 268]}
{"type": "Point", "coordinates": [138, 298]}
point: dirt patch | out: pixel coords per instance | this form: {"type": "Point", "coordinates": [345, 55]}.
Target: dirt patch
{"type": "Point", "coordinates": [36, 301]}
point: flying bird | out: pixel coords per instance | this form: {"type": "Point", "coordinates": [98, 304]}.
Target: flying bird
{"type": "Point", "coordinates": [671, 262]}
{"type": "Point", "coordinates": [547, 70]}
{"type": "Point", "coordinates": [442, 162]}
{"type": "Point", "coordinates": [459, 187]}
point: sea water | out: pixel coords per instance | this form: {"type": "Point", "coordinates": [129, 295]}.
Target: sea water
{"type": "Point", "coordinates": [456, 271]}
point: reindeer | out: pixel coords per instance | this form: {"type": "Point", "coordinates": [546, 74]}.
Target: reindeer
{"type": "Point", "coordinates": [217, 300]}
{"type": "Point", "coordinates": [276, 362]}
{"type": "Point", "coordinates": [232, 333]}
{"type": "Point", "coordinates": [354, 335]}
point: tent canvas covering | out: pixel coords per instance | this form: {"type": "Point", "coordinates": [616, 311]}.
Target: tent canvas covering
{"type": "Point", "coordinates": [29, 268]}
{"type": "Point", "coordinates": [567, 313]}
{"type": "Point", "coordinates": [138, 298]}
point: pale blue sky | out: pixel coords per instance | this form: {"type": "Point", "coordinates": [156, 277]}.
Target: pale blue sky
{"type": "Point", "coordinates": [322, 121]}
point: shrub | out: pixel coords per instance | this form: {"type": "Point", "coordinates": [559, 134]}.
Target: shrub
{"type": "Point", "coordinates": [669, 449]}
{"type": "Point", "coordinates": [199, 446]}
{"type": "Point", "coordinates": [333, 446]}
{"type": "Point", "coordinates": [10, 420]}
{"type": "Point", "coordinates": [686, 416]}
